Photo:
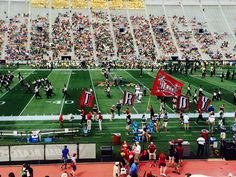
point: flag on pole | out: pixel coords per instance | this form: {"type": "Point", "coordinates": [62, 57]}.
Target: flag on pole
{"type": "Point", "coordinates": [166, 86]}
{"type": "Point", "coordinates": [128, 98]}
{"type": "Point", "coordinates": [183, 103]}
{"type": "Point", "coordinates": [86, 98]}
{"type": "Point", "coordinates": [203, 103]}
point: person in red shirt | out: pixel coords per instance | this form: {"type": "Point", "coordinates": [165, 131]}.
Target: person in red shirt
{"type": "Point", "coordinates": [125, 145]}
{"type": "Point", "coordinates": [61, 121]}
{"type": "Point", "coordinates": [162, 164]}
{"type": "Point", "coordinates": [180, 150]}
{"type": "Point", "coordinates": [127, 111]}
{"type": "Point", "coordinates": [100, 117]}
{"type": "Point", "coordinates": [89, 123]}
{"type": "Point", "coordinates": [82, 113]}
{"type": "Point", "coordinates": [152, 153]}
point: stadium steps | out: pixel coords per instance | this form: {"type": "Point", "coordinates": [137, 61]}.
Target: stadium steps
{"type": "Point", "coordinates": [132, 32]}
{"type": "Point", "coordinates": [192, 12]}
{"type": "Point", "coordinates": [219, 25]}
{"type": "Point", "coordinates": [189, 28]}
{"type": "Point", "coordinates": [112, 32]}
{"type": "Point", "coordinates": [210, 30]}
{"type": "Point", "coordinates": [171, 32]}
{"type": "Point", "coordinates": [92, 33]}
{"type": "Point", "coordinates": [157, 51]}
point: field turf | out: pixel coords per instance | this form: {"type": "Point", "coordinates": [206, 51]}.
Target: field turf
{"type": "Point", "coordinates": [18, 103]}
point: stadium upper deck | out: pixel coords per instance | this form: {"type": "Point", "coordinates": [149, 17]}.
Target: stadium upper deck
{"type": "Point", "coordinates": [98, 30]}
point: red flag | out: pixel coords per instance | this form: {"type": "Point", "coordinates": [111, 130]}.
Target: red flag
{"type": "Point", "coordinates": [86, 98]}
{"type": "Point", "coordinates": [128, 98]}
{"type": "Point", "coordinates": [203, 103]}
{"type": "Point", "coordinates": [183, 103]}
{"type": "Point", "coordinates": [165, 85]}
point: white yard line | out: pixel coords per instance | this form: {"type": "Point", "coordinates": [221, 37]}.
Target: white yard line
{"type": "Point", "coordinates": [95, 95]}
{"type": "Point", "coordinates": [123, 93]}
{"type": "Point", "coordinates": [63, 101]}
{"type": "Point", "coordinates": [15, 84]}
{"type": "Point", "coordinates": [31, 99]}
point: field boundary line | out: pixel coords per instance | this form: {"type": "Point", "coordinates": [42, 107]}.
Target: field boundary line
{"type": "Point", "coordinates": [31, 99]}
{"type": "Point", "coordinates": [63, 101]}
{"type": "Point", "coordinates": [15, 85]}
{"type": "Point", "coordinates": [105, 116]}
{"type": "Point", "coordinates": [95, 95]}
{"type": "Point", "coordinates": [123, 93]}
{"type": "Point", "coordinates": [147, 87]}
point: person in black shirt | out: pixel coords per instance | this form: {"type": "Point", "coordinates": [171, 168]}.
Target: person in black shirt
{"type": "Point", "coordinates": [176, 162]}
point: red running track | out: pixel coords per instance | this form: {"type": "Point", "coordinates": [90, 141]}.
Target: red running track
{"type": "Point", "coordinates": [217, 168]}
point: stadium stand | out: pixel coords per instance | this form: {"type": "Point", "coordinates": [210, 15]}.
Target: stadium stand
{"type": "Point", "coordinates": [110, 30]}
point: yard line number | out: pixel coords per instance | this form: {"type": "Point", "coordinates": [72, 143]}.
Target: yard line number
{"type": "Point", "coordinates": [59, 102]}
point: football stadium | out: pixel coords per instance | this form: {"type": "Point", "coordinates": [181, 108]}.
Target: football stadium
{"type": "Point", "coordinates": [117, 88]}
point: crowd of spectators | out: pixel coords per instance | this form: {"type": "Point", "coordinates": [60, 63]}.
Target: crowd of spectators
{"type": "Point", "coordinates": [39, 43]}
{"type": "Point", "coordinates": [143, 37]}
{"type": "Point", "coordinates": [2, 30]}
{"type": "Point", "coordinates": [73, 33]}
{"type": "Point", "coordinates": [206, 40]}
{"type": "Point", "coordinates": [61, 35]}
{"type": "Point", "coordinates": [17, 38]}
{"type": "Point", "coordinates": [82, 36]}
{"type": "Point", "coordinates": [124, 39]}
{"type": "Point", "coordinates": [163, 36]}
{"type": "Point", "coordinates": [184, 39]}
{"type": "Point", "coordinates": [102, 34]}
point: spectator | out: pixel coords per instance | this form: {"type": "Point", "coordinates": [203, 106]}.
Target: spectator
{"type": "Point", "coordinates": [65, 155]}
{"type": "Point", "coordinates": [201, 145]}
{"type": "Point", "coordinates": [133, 172]}
{"type": "Point", "coordinates": [162, 164]}
{"type": "Point", "coordinates": [180, 150]}
{"type": "Point", "coordinates": [152, 153]}
{"type": "Point", "coordinates": [171, 155]}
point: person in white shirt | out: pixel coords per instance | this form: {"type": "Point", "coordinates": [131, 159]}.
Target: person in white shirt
{"type": "Point", "coordinates": [116, 170]}
{"type": "Point", "coordinates": [201, 145]}
{"type": "Point", "coordinates": [211, 121]}
{"type": "Point", "coordinates": [186, 121]}
{"type": "Point", "coordinates": [137, 151]}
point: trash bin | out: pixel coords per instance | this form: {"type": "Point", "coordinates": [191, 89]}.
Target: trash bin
{"type": "Point", "coordinates": [204, 134]}
{"type": "Point", "coordinates": [116, 138]}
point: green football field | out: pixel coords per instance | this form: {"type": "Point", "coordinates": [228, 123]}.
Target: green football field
{"type": "Point", "coordinates": [18, 103]}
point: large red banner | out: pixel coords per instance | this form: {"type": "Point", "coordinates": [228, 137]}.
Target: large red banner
{"type": "Point", "coordinates": [166, 86]}
{"type": "Point", "coordinates": [86, 98]}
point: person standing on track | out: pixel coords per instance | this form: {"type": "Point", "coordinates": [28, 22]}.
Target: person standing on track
{"type": "Point", "coordinates": [73, 165]}
{"type": "Point", "coordinates": [162, 164]}
{"type": "Point", "coordinates": [201, 145]}
{"type": "Point", "coordinates": [65, 155]}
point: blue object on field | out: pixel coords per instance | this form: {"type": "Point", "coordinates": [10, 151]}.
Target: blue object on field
{"type": "Point", "coordinates": [212, 140]}
{"type": "Point", "coordinates": [135, 130]}
{"type": "Point", "coordinates": [48, 140]}
{"type": "Point", "coordinates": [135, 124]}
{"type": "Point", "coordinates": [138, 138]}
{"type": "Point", "coordinates": [34, 140]}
